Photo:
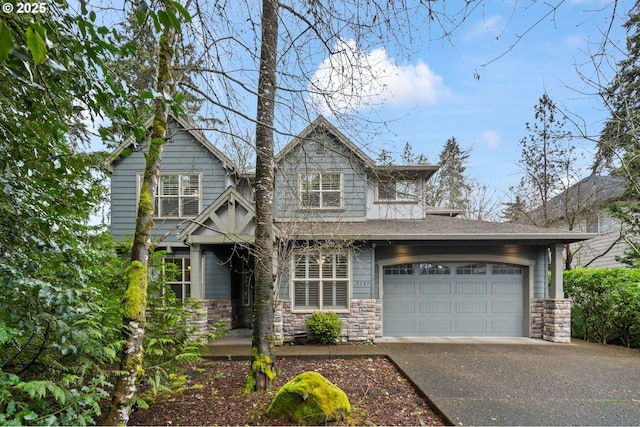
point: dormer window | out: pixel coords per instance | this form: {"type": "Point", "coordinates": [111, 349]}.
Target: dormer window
{"type": "Point", "coordinates": [321, 190]}
{"type": "Point", "coordinates": [391, 190]}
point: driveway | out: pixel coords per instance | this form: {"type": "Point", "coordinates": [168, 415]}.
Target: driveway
{"type": "Point", "coordinates": [524, 382]}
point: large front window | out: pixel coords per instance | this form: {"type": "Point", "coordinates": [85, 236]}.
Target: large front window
{"type": "Point", "coordinates": [321, 190]}
{"type": "Point", "coordinates": [178, 196]}
{"type": "Point", "coordinates": [321, 280]}
{"type": "Point", "coordinates": [397, 191]}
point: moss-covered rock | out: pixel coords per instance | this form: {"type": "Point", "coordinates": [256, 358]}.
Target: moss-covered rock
{"type": "Point", "coordinates": [310, 398]}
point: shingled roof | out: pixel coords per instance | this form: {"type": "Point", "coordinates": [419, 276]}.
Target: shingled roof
{"type": "Point", "coordinates": [432, 228]}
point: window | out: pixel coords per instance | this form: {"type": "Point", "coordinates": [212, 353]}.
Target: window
{"type": "Point", "coordinates": [599, 223]}
{"type": "Point", "coordinates": [472, 269]}
{"type": "Point", "coordinates": [321, 280]}
{"type": "Point", "coordinates": [397, 191]}
{"type": "Point", "coordinates": [321, 190]}
{"type": "Point", "coordinates": [180, 277]}
{"type": "Point", "coordinates": [178, 196]}
{"type": "Point", "coordinates": [399, 269]}
{"type": "Point", "coordinates": [499, 269]}
{"type": "Point", "coordinates": [434, 269]}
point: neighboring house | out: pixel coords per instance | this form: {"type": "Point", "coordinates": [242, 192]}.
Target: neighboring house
{"type": "Point", "coordinates": [353, 237]}
{"type": "Point", "coordinates": [582, 208]}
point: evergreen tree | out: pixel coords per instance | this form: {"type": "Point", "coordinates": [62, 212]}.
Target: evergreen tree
{"type": "Point", "coordinates": [619, 144]}
{"type": "Point", "coordinates": [408, 158]}
{"type": "Point", "coordinates": [449, 187]}
{"type": "Point", "coordinates": [546, 161]}
{"type": "Point", "coordinates": [137, 66]}
{"type": "Point", "coordinates": [384, 157]}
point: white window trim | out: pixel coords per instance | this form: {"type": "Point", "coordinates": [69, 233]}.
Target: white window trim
{"type": "Point", "coordinates": [185, 284]}
{"type": "Point", "coordinates": [396, 200]}
{"type": "Point", "coordinates": [301, 179]}
{"type": "Point", "coordinates": [292, 282]}
{"type": "Point", "coordinates": [140, 177]}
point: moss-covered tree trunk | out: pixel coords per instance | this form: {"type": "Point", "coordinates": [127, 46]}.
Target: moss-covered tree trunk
{"type": "Point", "coordinates": [135, 297]}
{"type": "Point", "coordinates": [262, 347]}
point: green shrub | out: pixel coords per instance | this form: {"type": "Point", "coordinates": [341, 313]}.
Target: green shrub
{"type": "Point", "coordinates": [325, 328]}
{"type": "Point", "coordinates": [606, 304]}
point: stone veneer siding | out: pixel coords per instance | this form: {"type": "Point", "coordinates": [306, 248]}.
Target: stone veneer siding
{"type": "Point", "coordinates": [557, 320]}
{"type": "Point", "coordinates": [551, 320]}
{"type": "Point", "coordinates": [537, 318]}
{"type": "Point", "coordinates": [218, 310]}
{"type": "Point", "coordinates": [362, 323]}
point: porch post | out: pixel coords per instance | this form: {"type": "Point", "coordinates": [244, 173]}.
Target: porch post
{"type": "Point", "coordinates": [557, 287]}
{"type": "Point", "coordinates": [556, 308]}
{"type": "Point", "coordinates": [197, 288]}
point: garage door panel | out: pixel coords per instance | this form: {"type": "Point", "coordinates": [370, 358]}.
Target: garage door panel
{"type": "Point", "coordinates": [435, 307]}
{"type": "Point", "coordinates": [435, 327]}
{"type": "Point", "coordinates": [471, 327]}
{"type": "Point", "coordinates": [401, 289]}
{"type": "Point", "coordinates": [440, 288]}
{"type": "Point", "coordinates": [466, 307]}
{"type": "Point", "coordinates": [506, 288]}
{"type": "Point", "coordinates": [471, 288]}
{"type": "Point", "coordinates": [504, 307]}
{"type": "Point", "coordinates": [453, 304]}
{"type": "Point", "coordinates": [505, 328]}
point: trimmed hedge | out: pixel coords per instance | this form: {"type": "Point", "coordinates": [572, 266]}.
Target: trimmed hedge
{"type": "Point", "coordinates": [606, 304]}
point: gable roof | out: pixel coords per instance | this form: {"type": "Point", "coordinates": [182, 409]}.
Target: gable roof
{"type": "Point", "coordinates": [320, 123]}
{"type": "Point", "coordinates": [231, 218]}
{"type": "Point", "coordinates": [587, 195]}
{"type": "Point", "coordinates": [433, 228]}
{"type": "Point", "coordinates": [188, 126]}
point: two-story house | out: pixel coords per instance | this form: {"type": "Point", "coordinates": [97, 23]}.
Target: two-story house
{"type": "Point", "coordinates": [582, 207]}
{"type": "Point", "coordinates": [352, 237]}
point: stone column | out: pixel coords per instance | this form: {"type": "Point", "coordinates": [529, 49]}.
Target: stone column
{"type": "Point", "coordinates": [557, 320]}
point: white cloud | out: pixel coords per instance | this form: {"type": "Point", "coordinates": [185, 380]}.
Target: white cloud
{"type": "Point", "coordinates": [351, 79]}
{"type": "Point", "coordinates": [490, 138]}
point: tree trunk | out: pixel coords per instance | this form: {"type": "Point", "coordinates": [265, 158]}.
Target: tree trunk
{"type": "Point", "coordinates": [263, 341]}
{"type": "Point", "coordinates": [135, 297]}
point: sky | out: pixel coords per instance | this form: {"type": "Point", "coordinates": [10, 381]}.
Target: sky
{"type": "Point", "coordinates": [480, 84]}
{"type": "Point", "coordinates": [445, 89]}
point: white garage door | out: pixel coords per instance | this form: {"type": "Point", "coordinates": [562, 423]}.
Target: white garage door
{"type": "Point", "coordinates": [453, 299]}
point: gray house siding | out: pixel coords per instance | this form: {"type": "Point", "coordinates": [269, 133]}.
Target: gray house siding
{"type": "Point", "coordinates": [217, 273]}
{"type": "Point", "coordinates": [182, 155]}
{"type": "Point", "coordinates": [364, 274]}
{"type": "Point", "coordinates": [302, 159]}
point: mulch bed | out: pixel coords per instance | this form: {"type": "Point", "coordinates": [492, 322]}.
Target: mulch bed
{"type": "Point", "coordinates": [378, 393]}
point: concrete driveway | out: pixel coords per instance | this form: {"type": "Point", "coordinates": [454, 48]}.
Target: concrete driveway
{"type": "Point", "coordinates": [523, 382]}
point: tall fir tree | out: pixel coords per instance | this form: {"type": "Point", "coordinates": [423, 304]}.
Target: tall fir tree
{"type": "Point", "coordinates": [619, 144]}
{"type": "Point", "coordinates": [449, 187]}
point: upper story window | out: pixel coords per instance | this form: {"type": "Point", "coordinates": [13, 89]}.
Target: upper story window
{"type": "Point", "coordinates": [397, 190]}
{"type": "Point", "coordinates": [321, 190]}
{"type": "Point", "coordinates": [178, 196]}
{"type": "Point", "coordinates": [599, 223]}
{"type": "Point", "coordinates": [321, 280]}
